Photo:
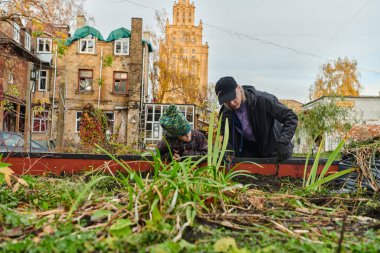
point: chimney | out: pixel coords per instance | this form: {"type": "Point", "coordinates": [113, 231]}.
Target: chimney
{"type": "Point", "coordinates": [134, 103]}
{"type": "Point", "coordinates": [81, 21]}
{"type": "Point", "coordinates": [136, 56]}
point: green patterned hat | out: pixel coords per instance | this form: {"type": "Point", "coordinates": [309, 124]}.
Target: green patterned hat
{"type": "Point", "coordinates": [174, 122]}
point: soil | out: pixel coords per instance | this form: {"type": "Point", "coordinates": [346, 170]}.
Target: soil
{"type": "Point", "coordinates": [269, 183]}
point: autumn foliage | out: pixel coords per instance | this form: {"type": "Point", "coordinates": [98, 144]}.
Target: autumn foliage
{"type": "Point", "coordinates": [41, 11]}
{"type": "Point", "coordinates": [364, 132]}
{"type": "Point", "coordinates": [93, 127]}
{"type": "Point", "coordinates": [337, 78]}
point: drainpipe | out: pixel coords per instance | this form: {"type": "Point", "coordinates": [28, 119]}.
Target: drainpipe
{"type": "Point", "coordinates": [54, 83]}
{"type": "Point", "coordinates": [100, 75]}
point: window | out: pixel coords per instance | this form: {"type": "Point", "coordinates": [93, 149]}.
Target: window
{"type": "Point", "coordinates": [27, 41]}
{"type": "Point", "coordinates": [153, 131]}
{"type": "Point", "coordinates": [78, 121]}
{"type": "Point", "coordinates": [85, 80]}
{"type": "Point", "coordinates": [40, 120]}
{"type": "Point", "coordinates": [120, 82]}
{"type": "Point", "coordinates": [42, 80]}
{"type": "Point", "coordinates": [122, 46]}
{"type": "Point", "coordinates": [12, 140]}
{"type": "Point", "coordinates": [87, 46]}
{"type": "Point", "coordinates": [16, 32]}
{"type": "Point", "coordinates": [44, 45]}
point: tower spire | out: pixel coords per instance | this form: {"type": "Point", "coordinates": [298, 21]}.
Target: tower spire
{"type": "Point", "coordinates": [183, 13]}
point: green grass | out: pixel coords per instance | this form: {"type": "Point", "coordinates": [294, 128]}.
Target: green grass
{"type": "Point", "coordinates": [183, 206]}
{"type": "Point", "coordinates": [23, 229]}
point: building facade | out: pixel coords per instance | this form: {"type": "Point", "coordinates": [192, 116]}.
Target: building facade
{"type": "Point", "coordinates": [187, 57]}
{"type": "Point", "coordinates": [292, 104]}
{"type": "Point", "coordinates": [44, 84]}
{"type": "Point", "coordinates": [25, 78]}
{"type": "Point", "coordinates": [364, 117]}
{"type": "Point", "coordinates": [107, 73]}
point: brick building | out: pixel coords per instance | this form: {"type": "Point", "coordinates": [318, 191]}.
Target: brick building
{"type": "Point", "coordinates": [25, 73]}
{"type": "Point", "coordinates": [107, 73]}
{"type": "Point", "coordinates": [292, 104]}
{"type": "Point", "coordinates": [185, 51]}
{"type": "Point", "coordinates": [37, 71]}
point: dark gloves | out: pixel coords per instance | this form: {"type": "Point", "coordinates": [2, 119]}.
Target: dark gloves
{"type": "Point", "coordinates": [282, 152]}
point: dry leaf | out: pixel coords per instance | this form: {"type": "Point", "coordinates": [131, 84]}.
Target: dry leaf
{"type": "Point", "coordinates": [49, 212]}
{"type": "Point", "coordinates": [227, 224]}
{"type": "Point", "coordinates": [7, 175]}
{"type": "Point", "coordinates": [15, 187]}
{"type": "Point", "coordinates": [15, 232]}
{"type": "Point", "coordinates": [257, 203]}
{"type": "Point", "coordinates": [301, 231]}
{"type": "Point", "coordinates": [48, 230]}
{"type": "Point", "coordinates": [22, 182]}
{"type": "Point", "coordinates": [306, 210]}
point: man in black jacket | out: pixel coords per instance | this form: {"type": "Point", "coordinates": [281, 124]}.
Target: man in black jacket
{"type": "Point", "coordinates": [259, 125]}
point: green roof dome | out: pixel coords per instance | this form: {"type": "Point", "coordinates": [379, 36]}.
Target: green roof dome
{"type": "Point", "coordinates": [83, 32]}
{"type": "Point", "coordinates": [119, 34]}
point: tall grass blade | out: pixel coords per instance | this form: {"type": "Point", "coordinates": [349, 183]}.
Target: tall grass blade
{"type": "Point", "coordinates": [83, 193]}
{"type": "Point", "coordinates": [306, 164]}
{"type": "Point", "coordinates": [209, 138]}
{"type": "Point", "coordinates": [133, 175]}
{"type": "Point", "coordinates": [314, 169]}
{"type": "Point", "coordinates": [329, 178]}
{"type": "Point", "coordinates": [331, 159]}
{"type": "Point", "coordinates": [217, 147]}
{"type": "Point", "coordinates": [224, 147]}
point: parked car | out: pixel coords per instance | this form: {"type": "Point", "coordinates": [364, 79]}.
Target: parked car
{"type": "Point", "coordinates": [13, 142]}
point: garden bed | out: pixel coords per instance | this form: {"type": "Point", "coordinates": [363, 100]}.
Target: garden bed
{"type": "Point", "coordinates": [271, 215]}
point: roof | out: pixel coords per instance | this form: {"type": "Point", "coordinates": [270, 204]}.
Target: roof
{"type": "Point", "coordinates": [83, 32]}
{"type": "Point", "coordinates": [125, 33]}
{"type": "Point", "coordinates": [341, 97]}
{"type": "Point", "coordinates": [291, 100]}
{"type": "Point", "coordinates": [119, 34]}
{"type": "Point", "coordinates": [114, 35]}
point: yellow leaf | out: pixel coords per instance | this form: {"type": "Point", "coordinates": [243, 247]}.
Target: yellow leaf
{"type": "Point", "coordinates": [7, 175]}
{"type": "Point", "coordinates": [6, 171]}
{"type": "Point", "coordinates": [15, 187]}
{"type": "Point", "coordinates": [225, 244]}
{"type": "Point", "coordinates": [23, 182]}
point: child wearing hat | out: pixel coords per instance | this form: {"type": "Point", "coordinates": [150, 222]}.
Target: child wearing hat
{"type": "Point", "coordinates": [179, 138]}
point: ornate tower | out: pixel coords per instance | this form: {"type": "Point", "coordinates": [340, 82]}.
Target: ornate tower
{"type": "Point", "coordinates": [185, 56]}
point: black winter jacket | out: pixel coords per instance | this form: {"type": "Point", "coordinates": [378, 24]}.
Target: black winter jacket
{"type": "Point", "coordinates": [271, 122]}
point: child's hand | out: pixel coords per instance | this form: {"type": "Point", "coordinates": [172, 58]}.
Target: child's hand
{"type": "Point", "coordinates": [176, 156]}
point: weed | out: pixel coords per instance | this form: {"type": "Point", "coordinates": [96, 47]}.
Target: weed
{"type": "Point", "coordinates": [312, 182]}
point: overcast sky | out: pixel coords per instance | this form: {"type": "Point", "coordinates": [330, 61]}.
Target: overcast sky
{"type": "Point", "coordinates": [277, 46]}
